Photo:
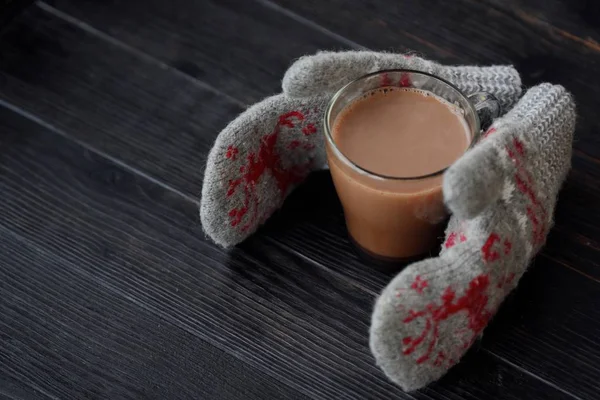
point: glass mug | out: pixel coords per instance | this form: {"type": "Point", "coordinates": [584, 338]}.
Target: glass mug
{"type": "Point", "coordinates": [392, 218]}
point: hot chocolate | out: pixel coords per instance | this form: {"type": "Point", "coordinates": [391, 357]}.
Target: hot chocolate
{"type": "Point", "coordinates": [400, 138]}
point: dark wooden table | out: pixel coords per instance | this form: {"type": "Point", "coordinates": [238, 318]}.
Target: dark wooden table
{"type": "Point", "coordinates": [108, 288]}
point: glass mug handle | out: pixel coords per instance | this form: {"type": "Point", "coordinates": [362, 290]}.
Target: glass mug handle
{"type": "Point", "coordinates": [487, 106]}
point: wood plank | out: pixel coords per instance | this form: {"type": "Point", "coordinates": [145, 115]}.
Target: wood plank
{"type": "Point", "coordinates": [72, 338]}
{"type": "Point", "coordinates": [577, 20]}
{"type": "Point", "coordinates": [15, 389]}
{"type": "Point", "coordinates": [240, 47]}
{"type": "Point", "coordinates": [550, 328]}
{"type": "Point", "coordinates": [156, 121]}
{"type": "Point", "coordinates": [113, 253]}
{"type": "Point", "coordinates": [64, 333]}
{"type": "Point", "coordinates": [10, 8]}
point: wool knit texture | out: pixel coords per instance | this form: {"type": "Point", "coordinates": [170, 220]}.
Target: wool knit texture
{"type": "Point", "coordinates": [272, 146]}
{"type": "Point", "coordinates": [502, 195]}
{"type": "Point", "coordinates": [326, 72]}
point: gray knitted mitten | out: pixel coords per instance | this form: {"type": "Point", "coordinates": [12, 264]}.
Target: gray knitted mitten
{"type": "Point", "coordinates": [502, 195]}
{"type": "Point", "coordinates": [272, 146]}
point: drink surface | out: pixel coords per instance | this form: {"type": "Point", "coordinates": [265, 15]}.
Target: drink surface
{"type": "Point", "coordinates": [401, 132]}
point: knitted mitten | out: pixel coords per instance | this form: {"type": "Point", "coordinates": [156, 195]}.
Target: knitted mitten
{"type": "Point", "coordinates": [272, 146]}
{"type": "Point", "coordinates": [326, 72]}
{"type": "Point", "coordinates": [502, 195]}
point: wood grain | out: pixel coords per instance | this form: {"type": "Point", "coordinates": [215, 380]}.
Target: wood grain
{"type": "Point", "coordinates": [293, 302]}
{"type": "Point", "coordinates": [11, 389]}
{"type": "Point", "coordinates": [71, 338]}
{"type": "Point", "coordinates": [107, 268]}
{"type": "Point", "coordinates": [155, 121]}
{"type": "Point", "coordinates": [10, 8]}
{"type": "Point", "coordinates": [577, 20]}
{"type": "Point", "coordinates": [549, 329]}
{"type": "Point", "coordinates": [65, 333]}
{"type": "Point", "coordinates": [192, 37]}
